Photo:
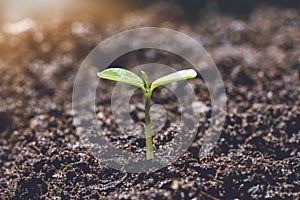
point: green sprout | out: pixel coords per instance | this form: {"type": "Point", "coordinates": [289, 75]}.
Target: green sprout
{"type": "Point", "coordinates": [125, 76]}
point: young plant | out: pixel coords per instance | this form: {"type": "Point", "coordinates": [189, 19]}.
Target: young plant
{"type": "Point", "coordinates": [125, 76]}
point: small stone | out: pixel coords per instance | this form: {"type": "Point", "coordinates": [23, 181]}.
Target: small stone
{"type": "Point", "coordinates": [100, 115]}
{"type": "Point", "coordinates": [175, 185]}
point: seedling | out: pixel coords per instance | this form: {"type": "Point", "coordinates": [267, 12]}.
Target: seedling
{"type": "Point", "coordinates": [125, 76]}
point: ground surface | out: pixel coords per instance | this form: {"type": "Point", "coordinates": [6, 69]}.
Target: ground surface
{"type": "Point", "coordinates": [257, 155]}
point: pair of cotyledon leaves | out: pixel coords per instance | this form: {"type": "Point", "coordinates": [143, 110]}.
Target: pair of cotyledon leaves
{"type": "Point", "coordinates": [125, 76]}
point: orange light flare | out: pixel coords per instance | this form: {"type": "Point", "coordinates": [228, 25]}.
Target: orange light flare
{"type": "Point", "coordinates": [41, 24]}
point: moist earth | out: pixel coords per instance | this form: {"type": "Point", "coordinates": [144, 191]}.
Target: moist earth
{"type": "Point", "coordinates": [257, 155]}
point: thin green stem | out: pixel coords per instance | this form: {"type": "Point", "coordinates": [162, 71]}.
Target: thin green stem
{"type": "Point", "coordinates": [147, 94]}
{"type": "Point", "coordinates": [149, 145]}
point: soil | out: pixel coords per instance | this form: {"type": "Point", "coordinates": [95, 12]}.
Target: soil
{"type": "Point", "coordinates": [257, 155]}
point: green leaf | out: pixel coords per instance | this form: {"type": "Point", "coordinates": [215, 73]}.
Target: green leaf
{"type": "Point", "coordinates": [122, 75]}
{"type": "Point", "coordinates": [176, 76]}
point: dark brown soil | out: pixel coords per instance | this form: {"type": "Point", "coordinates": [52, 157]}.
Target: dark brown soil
{"type": "Point", "coordinates": [257, 155]}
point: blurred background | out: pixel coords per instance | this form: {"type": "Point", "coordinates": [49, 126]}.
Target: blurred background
{"type": "Point", "coordinates": [18, 18]}
{"type": "Point", "coordinates": [114, 9]}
